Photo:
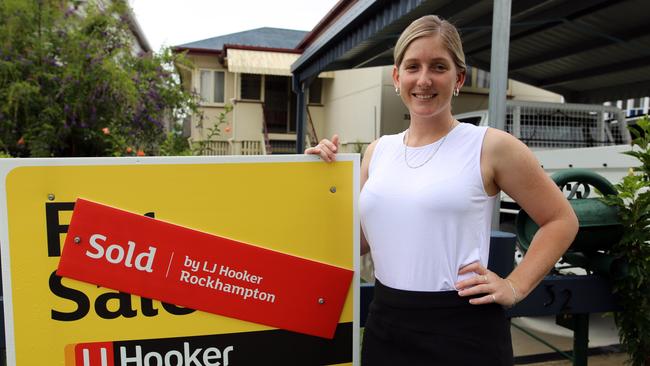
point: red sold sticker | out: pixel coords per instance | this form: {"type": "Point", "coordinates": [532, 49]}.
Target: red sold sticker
{"type": "Point", "coordinates": [128, 252]}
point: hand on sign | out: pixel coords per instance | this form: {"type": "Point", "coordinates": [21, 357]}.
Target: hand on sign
{"type": "Point", "coordinates": [326, 149]}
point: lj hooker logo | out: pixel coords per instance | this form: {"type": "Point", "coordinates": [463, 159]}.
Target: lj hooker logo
{"type": "Point", "coordinates": [161, 352]}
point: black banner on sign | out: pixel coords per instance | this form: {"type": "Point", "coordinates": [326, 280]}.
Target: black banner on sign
{"type": "Point", "coordinates": [272, 347]}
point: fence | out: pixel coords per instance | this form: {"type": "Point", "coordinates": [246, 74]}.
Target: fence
{"type": "Point", "coordinates": [244, 147]}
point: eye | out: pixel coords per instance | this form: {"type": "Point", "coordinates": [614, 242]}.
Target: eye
{"type": "Point", "coordinates": [440, 67]}
{"type": "Point", "coordinates": [411, 67]}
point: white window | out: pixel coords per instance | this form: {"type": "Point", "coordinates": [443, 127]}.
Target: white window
{"type": "Point", "coordinates": [212, 84]}
{"type": "Point", "coordinates": [477, 80]}
{"type": "Point", "coordinates": [482, 79]}
{"type": "Point", "coordinates": [469, 75]}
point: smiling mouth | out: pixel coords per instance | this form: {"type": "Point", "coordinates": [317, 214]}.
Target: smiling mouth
{"type": "Point", "coordinates": [423, 96]}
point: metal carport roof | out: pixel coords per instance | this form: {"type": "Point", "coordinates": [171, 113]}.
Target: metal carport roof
{"type": "Point", "coordinates": [586, 50]}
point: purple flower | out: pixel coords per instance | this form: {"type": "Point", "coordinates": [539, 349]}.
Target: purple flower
{"type": "Point", "coordinates": [69, 12]}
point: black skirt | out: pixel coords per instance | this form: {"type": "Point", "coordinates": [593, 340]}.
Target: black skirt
{"type": "Point", "coordinates": [434, 328]}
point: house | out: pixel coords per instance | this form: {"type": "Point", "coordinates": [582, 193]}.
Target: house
{"type": "Point", "coordinates": [249, 70]}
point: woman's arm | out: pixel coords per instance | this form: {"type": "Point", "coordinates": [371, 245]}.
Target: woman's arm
{"type": "Point", "coordinates": [508, 165]}
{"type": "Point", "coordinates": [518, 173]}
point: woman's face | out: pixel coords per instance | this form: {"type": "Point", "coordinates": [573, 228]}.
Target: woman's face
{"type": "Point", "coordinates": [427, 77]}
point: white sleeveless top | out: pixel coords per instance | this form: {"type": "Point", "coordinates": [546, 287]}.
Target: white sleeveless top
{"type": "Point", "coordinates": [424, 224]}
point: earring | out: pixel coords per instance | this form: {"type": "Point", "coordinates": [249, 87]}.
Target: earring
{"type": "Point", "coordinates": [456, 92]}
{"type": "Point", "coordinates": [397, 91]}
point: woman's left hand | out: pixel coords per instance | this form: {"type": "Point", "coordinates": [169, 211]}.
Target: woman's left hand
{"type": "Point", "coordinates": [496, 289]}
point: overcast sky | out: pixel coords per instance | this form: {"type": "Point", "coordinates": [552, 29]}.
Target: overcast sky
{"type": "Point", "coordinates": [174, 22]}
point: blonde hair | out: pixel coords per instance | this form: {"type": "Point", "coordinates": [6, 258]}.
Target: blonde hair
{"type": "Point", "coordinates": [427, 26]}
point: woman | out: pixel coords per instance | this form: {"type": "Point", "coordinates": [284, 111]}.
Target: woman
{"type": "Point", "coordinates": [426, 204]}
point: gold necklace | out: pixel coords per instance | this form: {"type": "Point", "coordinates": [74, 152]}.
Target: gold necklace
{"type": "Point", "coordinates": [406, 143]}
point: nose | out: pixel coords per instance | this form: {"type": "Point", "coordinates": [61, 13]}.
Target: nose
{"type": "Point", "coordinates": [424, 79]}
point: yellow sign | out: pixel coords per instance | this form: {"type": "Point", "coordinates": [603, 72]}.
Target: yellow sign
{"type": "Point", "coordinates": [293, 204]}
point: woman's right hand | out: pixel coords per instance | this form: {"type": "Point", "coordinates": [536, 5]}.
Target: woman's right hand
{"type": "Point", "coordinates": [326, 149]}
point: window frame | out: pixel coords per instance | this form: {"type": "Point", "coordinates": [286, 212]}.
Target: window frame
{"type": "Point", "coordinates": [211, 87]}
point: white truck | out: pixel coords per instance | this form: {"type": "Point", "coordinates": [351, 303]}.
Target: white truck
{"type": "Point", "coordinates": [566, 135]}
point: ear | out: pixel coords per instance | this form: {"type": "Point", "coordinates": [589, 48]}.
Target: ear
{"type": "Point", "coordinates": [395, 76]}
{"type": "Point", "coordinates": [460, 79]}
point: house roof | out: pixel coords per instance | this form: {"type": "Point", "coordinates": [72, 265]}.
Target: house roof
{"type": "Point", "coordinates": [266, 37]}
{"type": "Point", "coordinates": [588, 51]}
{"type": "Point", "coordinates": [137, 31]}
{"type": "Point", "coordinates": [332, 16]}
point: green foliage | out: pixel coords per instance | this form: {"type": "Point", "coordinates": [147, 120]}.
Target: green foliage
{"type": "Point", "coordinates": [633, 290]}
{"type": "Point", "coordinates": [175, 144]}
{"type": "Point", "coordinates": [71, 85]}
{"type": "Point", "coordinates": [203, 146]}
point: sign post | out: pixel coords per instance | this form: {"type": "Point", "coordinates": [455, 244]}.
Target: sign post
{"type": "Point", "coordinates": [290, 207]}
